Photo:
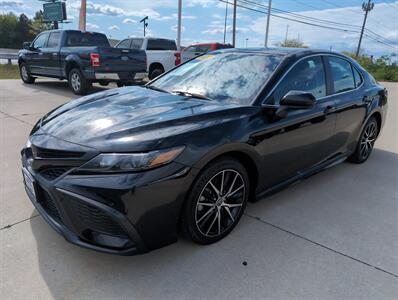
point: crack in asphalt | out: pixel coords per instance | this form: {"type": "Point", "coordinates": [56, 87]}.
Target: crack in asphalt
{"type": "Point", "coordinates": [18, 119]}
{"type": "Point", "coordinates": [320, 245]}
{"type": "Point", "coordinates": [19, 222]}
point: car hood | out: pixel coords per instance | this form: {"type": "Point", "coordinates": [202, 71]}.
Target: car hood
{"type": "Point", "coordinates": [131, 118]}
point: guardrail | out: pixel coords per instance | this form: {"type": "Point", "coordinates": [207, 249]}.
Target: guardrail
{"type": "Point", "coordinates": [9, 56]}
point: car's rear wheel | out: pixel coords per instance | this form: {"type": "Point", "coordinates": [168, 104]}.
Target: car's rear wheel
{"type": "Point", "coordinates": [366, 142]}
{"type": "Point", "coordinates": [78, 83]}
{"type": "Point", "coordinates": [25, 73]}
{"type": "Point", "coordinates": [155, 72]}
{"type": "Point", "coordinates": [216, 201]}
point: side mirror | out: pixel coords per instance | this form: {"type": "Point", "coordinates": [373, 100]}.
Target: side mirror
{"type": "Point", "coordinates": [298, 100]}
{"type": "Point", "coordinates": [26, 45]}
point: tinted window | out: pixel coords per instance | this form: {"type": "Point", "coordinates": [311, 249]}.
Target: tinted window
{"type": "Point", "coordinates": [357, 77]}
{"type": "Point", "coordinates": [40, 41]}
{"type": "Point", "coordinates": [307, 75]}
{"type": "Point", "coordinates": [124, 44]}
{"type": "Point", "coordinates": [82, 39]}
{"type": "Point", "coordinates": [203, 48]}
{"type": "Point", "coordinates": [191, 49]}
{"type": "Point", "coordinates": [342, 75]}
{"type": "Point", "coordinates": [53, 40]}
{"type": "Point", "coordinates": [136, 43]}
{"type": "Point", "coordinates": [231, 77]}
{"type": "Point", "coordinates": [161, 44]}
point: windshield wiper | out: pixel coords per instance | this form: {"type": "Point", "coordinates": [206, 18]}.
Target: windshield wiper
{"type": "Point", "coordinates": [191, 95]}
{"type": "Point", "coordinates": [155, 88]}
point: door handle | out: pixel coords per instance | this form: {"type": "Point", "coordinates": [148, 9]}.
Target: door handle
{"type": "Point", "coordinates": [55, 54]}
{"type": "Point", "coordinates": [330, 109]}
{"type": "Point", "coordinates": [40, 53]}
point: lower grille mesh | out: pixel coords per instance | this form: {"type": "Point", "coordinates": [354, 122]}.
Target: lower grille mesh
{"type": "Point", "coordinates": [53, 173]}
{"type": "Point", "coordinates": [49, 206]}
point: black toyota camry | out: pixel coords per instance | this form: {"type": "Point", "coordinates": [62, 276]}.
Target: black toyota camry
{"type": "Point", "coordinates": [125, 170]}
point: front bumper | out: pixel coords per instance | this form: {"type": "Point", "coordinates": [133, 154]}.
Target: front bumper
{"type": "Point", "coordinates": [123, 214]}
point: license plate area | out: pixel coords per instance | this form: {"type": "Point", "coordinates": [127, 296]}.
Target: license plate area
{"type": "Point", "coordinates": [29, 182]}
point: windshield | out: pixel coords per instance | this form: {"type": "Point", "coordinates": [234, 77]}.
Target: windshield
{"type": "Point", "coordinates": [232, 77]}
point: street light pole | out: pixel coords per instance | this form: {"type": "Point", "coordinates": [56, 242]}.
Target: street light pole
{"type": "Point", "coordinates": [367, 7]}
{"type": "Point", "coordinates": [179, 24]}
{"type": "Point", "coordinates": [267, 28]}
{"type": "Point", "coordinates": [234, 26]}
{"type": "Point", "coordinates": [225, 22]}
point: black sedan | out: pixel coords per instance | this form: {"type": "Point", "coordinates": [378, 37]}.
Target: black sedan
{"type": "Point", "coordinates": [123, 171]}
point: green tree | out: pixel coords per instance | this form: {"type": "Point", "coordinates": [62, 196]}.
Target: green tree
{"type": "Point", "coordinates": [38, 24]}
{"type": "Point", "coordinates": [8, 23]}
{"type": "Point", "coordinates": [292, 43]}
{"type": "Point", "coordinates": [23, 31]}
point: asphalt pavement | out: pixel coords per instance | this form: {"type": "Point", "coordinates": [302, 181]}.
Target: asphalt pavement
{"type": "Point", "coordinates": [331, 236]}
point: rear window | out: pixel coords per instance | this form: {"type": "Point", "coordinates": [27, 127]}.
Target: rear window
{"type": "Point", "coordinates": [161, 44]}
{"type": "Point", "coordinates": [124, 44]}
{"type": "Point", "coordinates": [82, 39]}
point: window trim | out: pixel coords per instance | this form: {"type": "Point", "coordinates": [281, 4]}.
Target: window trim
{"type": "Point", "coordinates": [328, 79]}
{"type": "Point", "coordinates": [288, 71]}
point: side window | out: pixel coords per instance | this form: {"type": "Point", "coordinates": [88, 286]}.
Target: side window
{"type": "Point", "coordinates": [357, 77]}
{"type": "Point", "coordinates": [161, 44]}
{"type": "Point", "coordinates": [124, 44]}
{"type": "Point", "coordinates": [191, 49]}
{"type": "Point", "coordinates": [342, 76]}
{"type": "Point", "coordinates": [136, 43]}
{"type": "Point", "coordinates": [53, 40]}
{"type": "Point", "coordinates": [308, 75]}
{"type": "Point", "coordinates": [40, 41]}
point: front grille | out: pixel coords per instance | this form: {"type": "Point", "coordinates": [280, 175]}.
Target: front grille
{"type": "Point", "coordinates": [52, 153]}
{"type": "Point", "coordinates": [49, 206]}
{"type": "Point", "coordinates": [53, 173]}
{"type": "Point", "coordinates": [95, 219]}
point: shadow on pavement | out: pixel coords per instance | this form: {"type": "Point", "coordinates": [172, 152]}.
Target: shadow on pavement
{"type": "Point", "coordinates": [298, 204]}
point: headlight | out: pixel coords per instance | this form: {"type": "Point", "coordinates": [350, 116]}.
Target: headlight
{"type": "Point", "coordinates": [125, 162]}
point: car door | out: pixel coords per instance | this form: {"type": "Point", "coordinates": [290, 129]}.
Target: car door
{"type": "Point", "coordinates": [351, 102]}
{"type": "Point", "coordinates": [50, 55]}
{"type": "Point", "coordinates": [303, 139]}
{"type": "Point", "coordinates": [36, 58]}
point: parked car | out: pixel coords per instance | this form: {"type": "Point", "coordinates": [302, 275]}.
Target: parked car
{"type": "Point", "coordinates": [80, 57]}
{"type": "Point", "coordinates": [197, 49]}
{"type": "Point", "coordinates": [120, 171]}
{"type": "Point", "coordinates": [162, 54]}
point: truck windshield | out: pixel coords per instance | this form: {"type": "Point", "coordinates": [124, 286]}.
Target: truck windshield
{"type": "Point", "coordinates": [232, 77]}
{"type": "Point", "coordinates": [86, 39]}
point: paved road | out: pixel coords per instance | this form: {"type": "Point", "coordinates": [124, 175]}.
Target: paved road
{"type": "Point", "coordinates": [332, 236]}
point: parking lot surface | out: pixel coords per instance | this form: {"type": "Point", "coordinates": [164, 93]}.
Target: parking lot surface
{"type": "Point", "coordinates": [332, 236]}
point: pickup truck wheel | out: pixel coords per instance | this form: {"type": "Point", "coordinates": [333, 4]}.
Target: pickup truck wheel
{"type": "Point", "coordinates": [120, 84]}
{"type": "Point", "coordinates": [155, 73]}
{"type": "Point", "coordinates": [78, 83]}
{"type": "Point", "coordinates": [25, 73]}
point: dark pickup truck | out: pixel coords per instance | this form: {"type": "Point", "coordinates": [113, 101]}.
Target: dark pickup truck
{"type": "Point", "coordinates": [80, 57]}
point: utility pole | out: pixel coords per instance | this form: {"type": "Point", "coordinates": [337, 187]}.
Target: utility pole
{"type": "Point", "coordinates": [179, 25]}
{"type": "Point", "coordinates": [225, 22]}
{"type": "Point", "coordinates": [287, 32]}
{"type": "Point", "coordinates": [367, 7]}
{"type": "Point", "coordinates": [145, 21]}
{"type": "Point", "coordinates": [82, 16]}
{"type": "Point", "coordinates": [234, 26]}
{"type": "Point", "coordinates": [267, 29]}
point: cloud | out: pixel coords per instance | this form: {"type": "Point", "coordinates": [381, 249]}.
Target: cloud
{"type": "Point", "coordinates": [129, 21]}
{"type": "Point", "coordinates": [218, 29]}
{"type": "Point", "coordinates": [10, 4]}
{"type": "Point", "coordinates": [113, 27]}
{"type": "Point", "coordinates": [174, 28]}
{"type": "Point", "coordinates": [92, 26]}
{"type": "Point", "coordinates": [325, 38]}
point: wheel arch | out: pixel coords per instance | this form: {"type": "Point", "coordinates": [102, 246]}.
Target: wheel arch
{"type": "Point", "coordinates": [155, 65]}
{"type": "Point", "coordinates": [69, 66]}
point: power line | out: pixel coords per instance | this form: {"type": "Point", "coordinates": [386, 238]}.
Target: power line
{"type": "Point", "coordinates": [311, 24]}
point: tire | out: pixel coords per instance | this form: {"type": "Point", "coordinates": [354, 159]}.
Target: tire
{"type": "Point", "coordinates": [120, 84]}
{"type": "Point", "coordinates": [78, 83]}
{"type": "Point", "coordinates": [155, 73]}
{"type": "Point", "coordinates": [206, 217]}
{"type": "Point", "coordinates": [25, 73]}
{"type": "Point", "coordinates": [366, 142]}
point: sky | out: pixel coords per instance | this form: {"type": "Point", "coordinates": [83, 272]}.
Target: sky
{"type": "Point", "coordinates": [203, 21]}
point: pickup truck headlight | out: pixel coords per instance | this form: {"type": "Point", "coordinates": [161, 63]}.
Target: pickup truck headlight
{"type": "Point", "coordinates": [128, 162]}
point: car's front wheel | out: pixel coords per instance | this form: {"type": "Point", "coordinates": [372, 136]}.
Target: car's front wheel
{"type": "Point", "coordinates": [366, 142]}
{"type": "Point", "coordinates": [25, 73]}
{"type": "Point", "coordinates": [216, 201]}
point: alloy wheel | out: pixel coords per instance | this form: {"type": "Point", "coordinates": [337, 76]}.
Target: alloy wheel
{"type": "Point", "coordinates": [75, 81]}
{"type": "Point", "coordinates": [220, 203]}
{"type": "Point", "coordinates": [368, 139]}
{"type": "Point", "coordinates": [24, 73]}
